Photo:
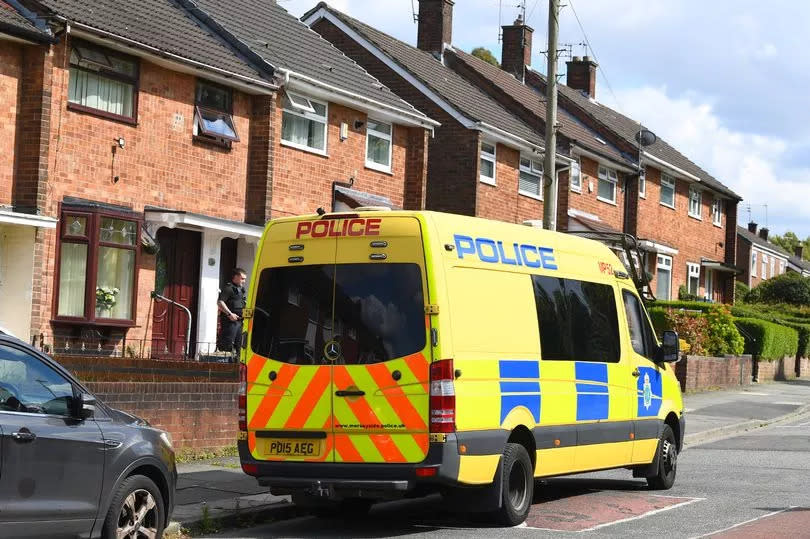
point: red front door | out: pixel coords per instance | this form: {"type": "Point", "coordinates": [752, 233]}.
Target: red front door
{"type": "Point", "coordinates": [177, 277]}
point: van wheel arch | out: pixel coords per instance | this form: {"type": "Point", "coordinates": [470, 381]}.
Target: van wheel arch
{"type": "Point", "coordinates": [523, 436]}
{"type": "Point", "coordinates": [675, 425]}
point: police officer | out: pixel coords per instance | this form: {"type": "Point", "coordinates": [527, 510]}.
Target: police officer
{"type": "Point", "coordinates": [232, 300]}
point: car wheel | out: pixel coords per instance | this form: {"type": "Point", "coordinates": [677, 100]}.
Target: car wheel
{"type": "Point", "coordinates": [136, 511]}
{"type": "Point", "coordinates": [517, 489]}
{"type": "Point", "coordinates": [667, 461]}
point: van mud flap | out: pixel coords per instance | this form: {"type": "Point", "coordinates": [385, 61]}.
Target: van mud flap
{"type": "Point", "coordinates": [476, 499]}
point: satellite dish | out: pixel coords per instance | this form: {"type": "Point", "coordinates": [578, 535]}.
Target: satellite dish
{"type": "Point", "coordinates": [645, 137]}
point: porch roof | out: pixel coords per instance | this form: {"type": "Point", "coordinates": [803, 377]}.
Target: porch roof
{"type": "Point", "coordinates": [11, 217]}
{"type": "Point", "coordinates": [173, 218]}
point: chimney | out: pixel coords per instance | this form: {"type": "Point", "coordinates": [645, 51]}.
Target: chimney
{"type": "Point", "coordinates": [752, 227]}
{"type": "Point", "coordinates": [763, 233]}
{"type": "Point", "coordinates": [582, 75]}
{"type": "Point", "coordinates": [516, 54]}
{"type": "Point", "coordinates": [435, 25]}
{"type": "Point", "coordinates": [799, 251]}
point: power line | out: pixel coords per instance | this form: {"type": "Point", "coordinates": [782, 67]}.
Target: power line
{"type": "Point", "coordinates": [531, 12]}
{"type": "Point", "coordinates": [593, 52]}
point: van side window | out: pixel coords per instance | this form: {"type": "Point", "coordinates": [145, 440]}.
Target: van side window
{"type": "Point", "coordinates": [641, 335]}
{"type": "Point", "coordinates": [578, 320]}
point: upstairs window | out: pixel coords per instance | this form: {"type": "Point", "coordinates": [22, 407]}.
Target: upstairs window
{"type": "Point", "coordinates": [488, 163]}
{"type": "Point", "coordinates": [103, 82]}
{"type": "Point", "coordinates": [213, 114]}
{"type": "Point", "coordinates": [753, 263]}
{"type": "Point", "coordinates": [576, 176]}
{"type": "Point", "coordinates": [608, 180]}
{"type": "Point", "coordinates": [764, 266]}
{"type": "Point", "coordinates": [303, 123]}
{"type": "Point", "coordinates": [717, 211]}
{"type": "Point", "coordinates": [378, 145]}
{"type": "Point", "coordinates": [667, 190]}
{"type": "Point", "coordinates": [530, 181]}
{"type": "Point", "coordinates": [642, 183]}
{"type": "Point", "coordinates": [695, 203]}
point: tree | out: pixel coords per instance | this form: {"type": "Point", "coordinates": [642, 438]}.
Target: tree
{"type": "Point", "coordinates": [485, 55]}
{"type": "Point", "coordinates": [790, 241]}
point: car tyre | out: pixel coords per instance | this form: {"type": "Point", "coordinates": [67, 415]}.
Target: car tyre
{"type": "Point", "coordinates": [137, 505]}
{"type": "Point", "coordinates": [517, 491]}
{"type": "Point", "coordinates": [667, 461]}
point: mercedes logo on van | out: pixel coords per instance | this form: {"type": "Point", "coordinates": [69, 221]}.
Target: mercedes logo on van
{"type": "Point", "coordinates": [332, 350]}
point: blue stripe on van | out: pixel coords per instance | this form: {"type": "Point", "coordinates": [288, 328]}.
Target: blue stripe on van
{"type": "Point", "coordinates": [519, 368]}
{"type": "Point", "coordinates": [520, 387]}
{"type": "Point", "coordinates": [510, 402]}
{"type": "Point", "coordinates": [592, 407]}
{"type": "Point", "coordinates": [591, 388]}
{"type": "Point", "coordinates": [591, 372]}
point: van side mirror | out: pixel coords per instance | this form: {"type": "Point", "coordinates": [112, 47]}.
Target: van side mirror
{"type": "Point", "coordinates": [670, 349]}
{"type": "Point", "coordinates": [86, 406]}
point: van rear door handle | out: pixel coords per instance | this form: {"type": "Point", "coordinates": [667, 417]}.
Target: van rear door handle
{"type": "Point", "coordinates": [636, 373]}
{"type": "Point", "coordinates": [24, 436]}
{"type": "Point", "coordinates": [350, 393]}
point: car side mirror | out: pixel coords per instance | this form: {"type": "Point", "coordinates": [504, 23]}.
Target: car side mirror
{"type": "Point", "coordinates": [87, 406]}
{"type": "Point", "coordinates": [670, 349]}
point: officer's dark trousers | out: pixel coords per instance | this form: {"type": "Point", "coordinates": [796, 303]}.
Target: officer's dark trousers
{"type": "Point", "coordinates": [230, 337]}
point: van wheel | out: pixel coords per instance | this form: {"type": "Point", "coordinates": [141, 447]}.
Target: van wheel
{"type": "Point", "coordinates": [667, 461]}
{"type": "Point", "coordinates": [136, 510]}
{"type": "Point", "coordinates": [517, 489]}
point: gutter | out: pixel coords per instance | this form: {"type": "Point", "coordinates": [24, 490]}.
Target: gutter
{"type": "Point", "coordinates": [163, 54]}
{"type": "Point", "coordinates": [673, 168]}
{"type": "Point", "coordinates": [514, 140]}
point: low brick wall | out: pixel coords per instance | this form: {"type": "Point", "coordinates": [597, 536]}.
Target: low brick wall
{"type": "Point", "coordinates": [803, 367]}
{"type": "Point", "coordinates": [114, 369]}
{"type": "Point", "coordinates": [777, 369]}
{"type": "Point", "coordinates": [697, 373]}
{"type": "Point", "coordinates": [198, 415]}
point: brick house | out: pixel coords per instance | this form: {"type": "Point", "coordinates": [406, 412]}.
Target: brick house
{"type": "Point", "coordinates": [484, 160]}
{"type": "Point", "coordinates": [163, 143]}
{"type": "Point", "coordinates": [797, 263]}
{"type": "Point", "coordinates": [759, 258]}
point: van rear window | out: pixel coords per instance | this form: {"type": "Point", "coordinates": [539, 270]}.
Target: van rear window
{"type": "Point", "coordinates": [378, 313]}
{"type": "Point", "coordinates": [577, 319]}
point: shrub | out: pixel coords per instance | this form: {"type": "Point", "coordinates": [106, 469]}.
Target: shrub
{"type": "Point", "coordinates": [691, 327]}
{"type": "Point", "coordinates": [658, 315]}
{"type": "Point", "coordinates": [740, 291]}
{"type": "Point", "coordinates": [713, 334]}
{"type": "Point", "coordinates": [804, 338]}
{"type": "Point", "coordinates": [684, 295]}
{"type": "Point", "coordinates": [767, 340]}
{"type": "Point", "coordinates": [789, 288]}
{"type": "Point", "coordinates": [723, 337]}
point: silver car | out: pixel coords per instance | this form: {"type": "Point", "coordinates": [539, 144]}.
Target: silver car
{"type": "Point", "coordinates": [70, 466]}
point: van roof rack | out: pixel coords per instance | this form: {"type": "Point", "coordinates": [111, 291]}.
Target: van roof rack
{"type": "Point", "coordinates": [630, 255]}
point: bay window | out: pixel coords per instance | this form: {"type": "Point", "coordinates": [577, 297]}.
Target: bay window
{"type": "Point", "coordinates": [97, 267]}
{"type": "Point", "coordinates": [103, 82]}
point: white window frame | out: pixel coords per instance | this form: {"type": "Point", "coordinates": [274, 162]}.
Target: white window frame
{"type": "Point", "coordinates": [608, 175]}
{"type": "Point", "coordinates": [773, 267]}
{"type": "Point", "coordinates": [303, 108]}
{"type": "Point", "coordinates": [532, 171]}
{"type": "Point", "coordinates": [670, 182]}
{"type": "Point", "coordinates": [753, 263]}
{"type": "Point", "coordinates": [781, 267]}
{"type": "Point", "coordinates": [384, 136]}
{"type": "Point", "coordinates": [696, 196]}
{"type": "Point", "coordinates": [642, 183]}
{"type": "Point", "coordinates": [664, 262]}
{"type": "Point", "coordinates": [709, 285]}
{"type": "Point", "coordinates": [717, 211]}
{"type": "Point", "coordinates": [576, 166]}
{"type": "Point", "coordinates": [764, 266]}
{"type": "Point", "coordinates": [490, 157]}
{"type": "Point", "coordinates": [692, 270]}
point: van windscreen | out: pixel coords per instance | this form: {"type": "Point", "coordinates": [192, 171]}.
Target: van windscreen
{"type": "Point", "coordinates": [375, 312]}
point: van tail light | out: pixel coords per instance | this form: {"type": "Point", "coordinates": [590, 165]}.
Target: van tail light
{"type": "Point", "coordinates": [242, 397]}
{"type": "Point", "coordinates": [442, 397]}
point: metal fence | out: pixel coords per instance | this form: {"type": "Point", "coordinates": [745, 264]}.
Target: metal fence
{"type": "Point", "coordinates": [89, 345]}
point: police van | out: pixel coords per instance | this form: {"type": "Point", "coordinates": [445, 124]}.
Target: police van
{"type": "Point", "coordinates": [395, 354]}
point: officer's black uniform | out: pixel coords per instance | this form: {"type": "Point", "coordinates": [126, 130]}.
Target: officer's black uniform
{"type": "Point", "coordinates": [230, 338]}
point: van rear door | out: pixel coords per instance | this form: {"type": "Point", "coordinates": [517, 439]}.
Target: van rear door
{"type": "Point", "coordinates": [382, 358]}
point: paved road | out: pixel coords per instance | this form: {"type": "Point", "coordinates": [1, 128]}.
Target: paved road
{"type": "Point", "coordinates": [752, 485]}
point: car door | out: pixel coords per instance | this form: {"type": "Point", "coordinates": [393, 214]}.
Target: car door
{"type": "Point", "coordinates": [647, 378]}
{"type": "Point", "coordinates": [53, 463]}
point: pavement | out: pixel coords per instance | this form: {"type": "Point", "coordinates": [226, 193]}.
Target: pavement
{"type": "Point", "coordinates": [216, 494]}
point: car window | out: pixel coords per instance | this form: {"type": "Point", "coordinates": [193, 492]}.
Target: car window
{"type": "Point", "coordinates": [641, 335]}
{"type": "Point", "coordinates": [27, 384]}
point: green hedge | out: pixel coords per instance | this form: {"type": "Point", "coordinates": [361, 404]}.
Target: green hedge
{"type": "Point", "coordinates": [804, 338]}
{"type": "Point", "coordinates": [658, 316]}
{"type": "Point", "coordinates": [801, 325]}
{"type": "Point", "coordinates": [702, 306]}
{"type": "Point", "coordinates": [772, 341]}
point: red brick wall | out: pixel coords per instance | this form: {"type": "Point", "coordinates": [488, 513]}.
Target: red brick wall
{"type": "Point", "coordinates": [586, 200]}
{"type": "Point", "coordinates": [502, 201]}
{"type": "Point", "coordinates": [744, 262]}
{"type": "Point", "coordinates": [695, 239]}
{"type": "Point", "coordinates": [197, 415]}
{"type": "Point", "coordinates": [779, 369]}
{"type": "Point", "coordinates": [697, 373]}
{"type": "Point", "coordinates": [802, 367]}
{"type": "Point", "coordinates": [11, 56]}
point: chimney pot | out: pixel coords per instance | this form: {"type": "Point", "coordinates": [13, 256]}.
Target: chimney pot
{"type": "Point", "coordinates": [763, 233]}
{"type": "Point", "coordinates": [799, 251]}
{"type": "Point", "coordinates": [752, 227]}
{"type": "Point", "coordinates": [435, 25]}
{"type": "Point", "coordinates": [582, 75]}
{"type": "Point", "coordinates": [516, 53]}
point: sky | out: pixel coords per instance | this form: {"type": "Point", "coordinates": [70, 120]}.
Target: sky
{"type": "Point", "coordinates": [725, 82]}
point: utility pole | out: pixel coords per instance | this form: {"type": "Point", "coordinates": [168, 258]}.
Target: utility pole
{"type": "Point", "coordinates": [549, 171]}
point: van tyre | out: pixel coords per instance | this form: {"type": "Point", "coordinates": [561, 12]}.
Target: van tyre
{"type": "Point", "coordinates": [667, 461]}
{"type": "Point", "coordinates": [517, 491]}
{"type": "Point", "coordinates": [136, 510]}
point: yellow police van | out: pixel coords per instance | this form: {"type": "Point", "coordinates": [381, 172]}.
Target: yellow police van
{"type": "Point", "coordinates": [396, 353]}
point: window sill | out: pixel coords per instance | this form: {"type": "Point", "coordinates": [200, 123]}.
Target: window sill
{"type": "Point", "coordinates": [718, 225]}
{"type": "Point", "coordinates": [664, 204]}
{"type": "Point", "coordinates": [488, 181]}
{"type": "Point", "coordinates": [696, 217]}
{"type": "Point", "coordinates": [95, 323]}
{"type": "Point", "coordinates": [577, 190]}
{"type": "Point", "coordinates": [530, 195]}
{"type": "Point", "coordinates": [606, 201]}
{"type": "Point", "coordinates": [101, 114]}
{"type": "Point", "coordinates": [225, 144]}
{"type": "Point", "coordinates": [379, 168]}
{"type": "Point", "coordinates": [307, 149]}
{"type": "Point", "coordinates": [642, 195]}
